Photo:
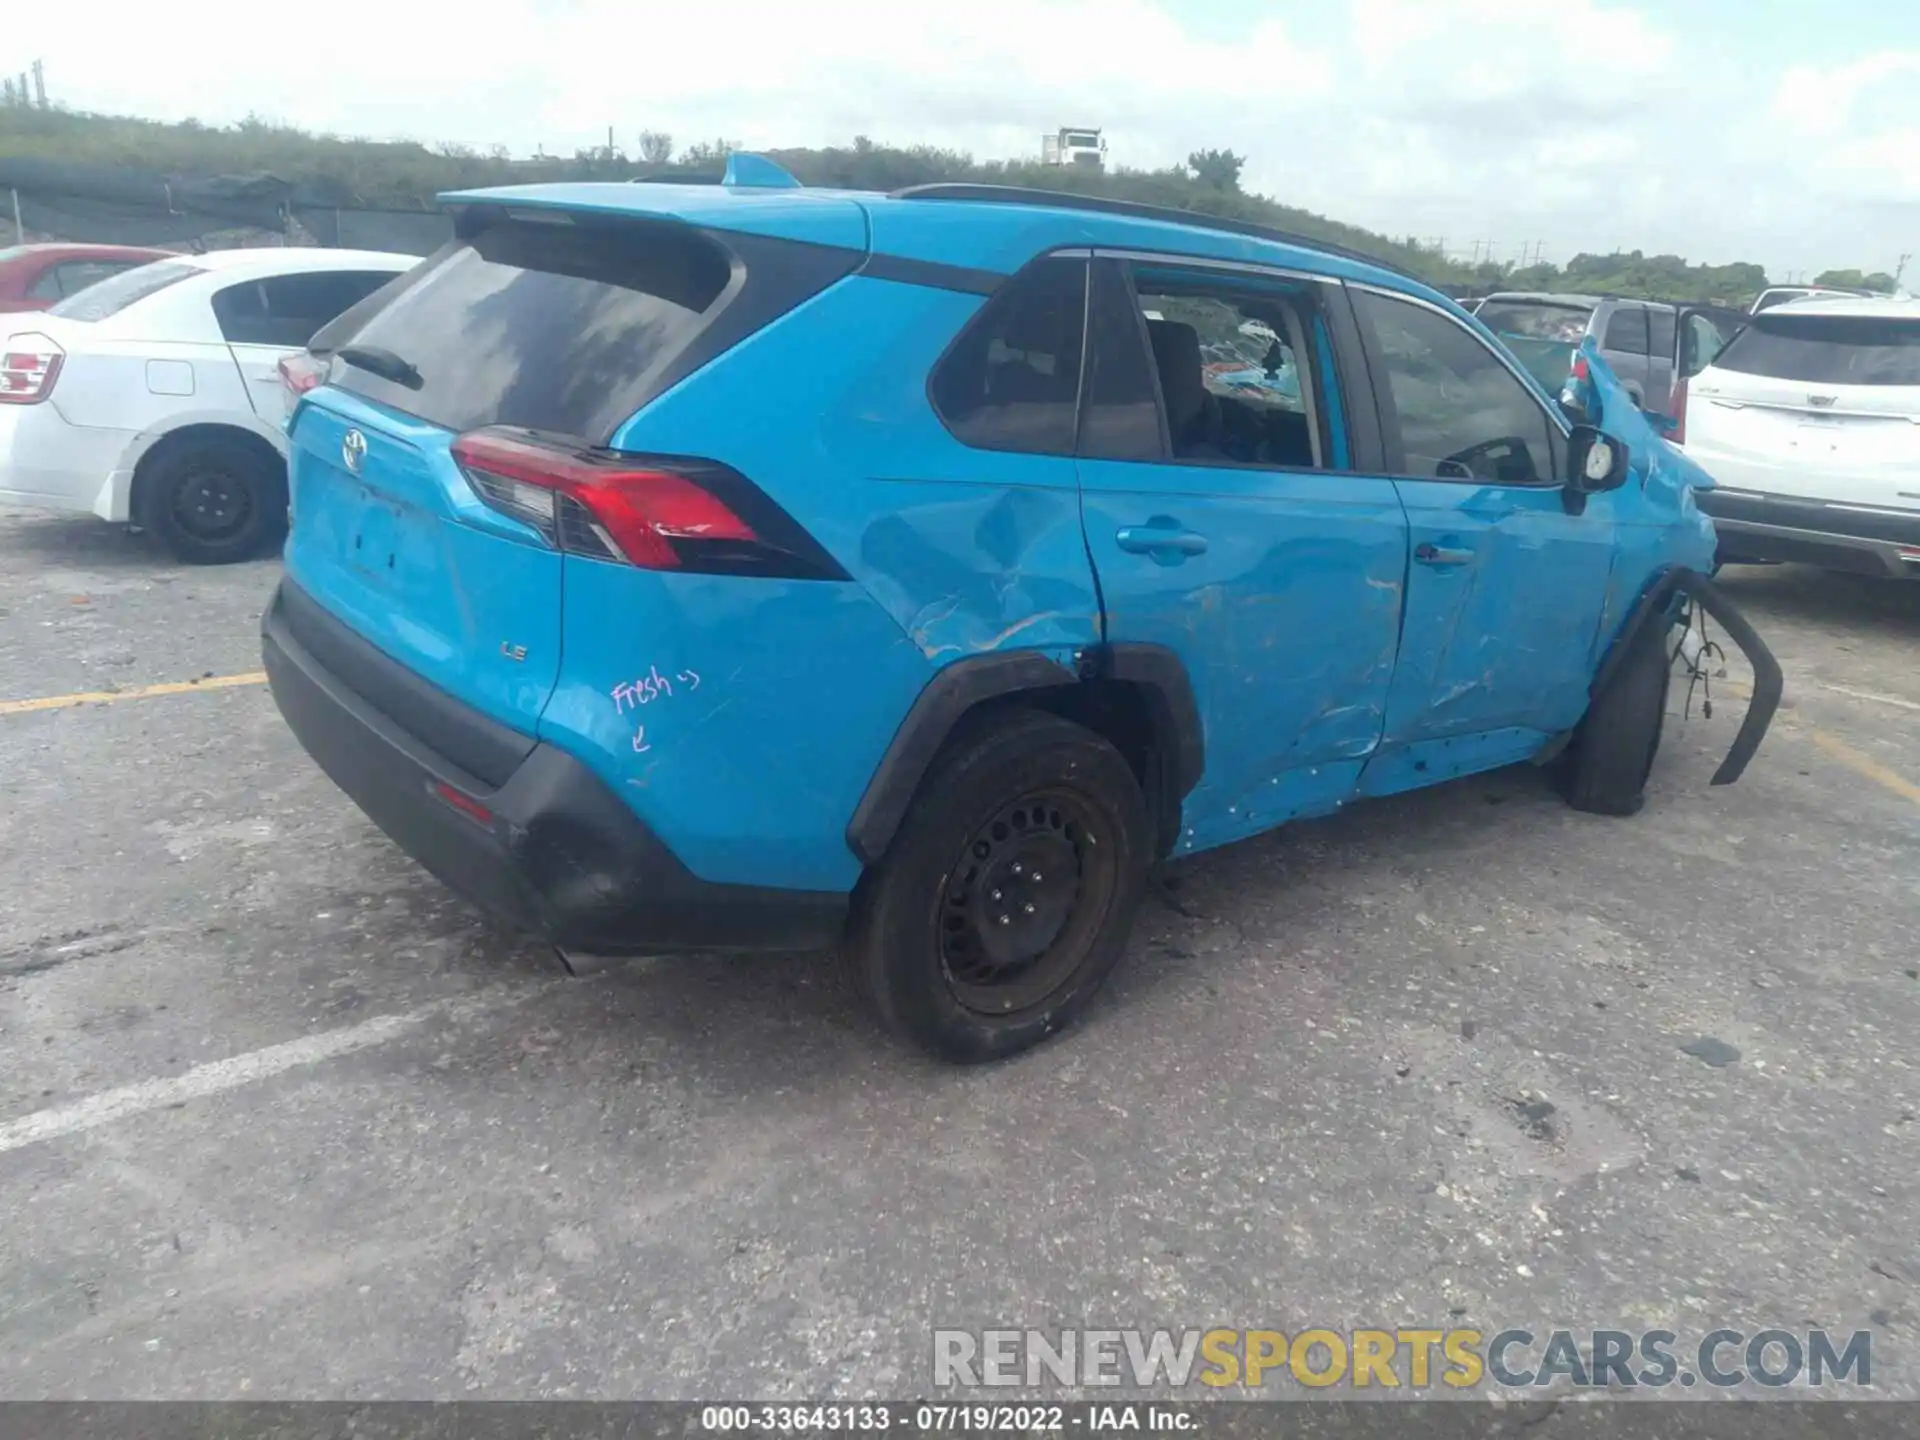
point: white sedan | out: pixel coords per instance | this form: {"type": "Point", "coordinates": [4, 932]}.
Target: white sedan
{"type": "Point", "coordinates": [155, 396]}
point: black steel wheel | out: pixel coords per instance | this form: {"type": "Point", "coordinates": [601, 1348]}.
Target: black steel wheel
{"type": "Point", "coordinates": [1020, 899]}
{"type": "Point", "coordinates": [1006, 898]}
{"type": "Point", "coordinates": [211, 503]}
{"type": "Point", "coordinates": [214, 499]}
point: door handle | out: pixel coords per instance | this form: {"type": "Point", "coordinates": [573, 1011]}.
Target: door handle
{"type": "Point", "coordinates": [1154, 540]}
{"type": "Point", "coordinates": [1428, 553]}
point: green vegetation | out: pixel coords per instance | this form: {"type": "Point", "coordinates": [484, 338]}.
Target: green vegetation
{"type": "Point", "coordinates": [406, 175]}
{"type": "Point", "coordinates": [1854, 280]}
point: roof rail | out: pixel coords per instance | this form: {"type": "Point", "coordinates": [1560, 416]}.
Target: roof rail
{"type": "Point", "coordinates": [1067, 200]}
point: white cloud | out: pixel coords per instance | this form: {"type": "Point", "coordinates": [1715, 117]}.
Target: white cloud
{"type": "Point", "coordinates": [1580, 123]}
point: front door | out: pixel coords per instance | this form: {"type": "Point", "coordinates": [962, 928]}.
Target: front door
{"type": "Point", "coordinates": [1505, 588]}
{"type": "Point", "coordinates": [1226, 525]}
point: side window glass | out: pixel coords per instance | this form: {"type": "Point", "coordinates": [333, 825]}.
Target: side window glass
{"type": "Point", "coordinates": [1660, 338]}
{"type": "Point", "coordinates": [242, 312]}
{"type": "Point", "coordinates": [286, 310]}
{"type": "Point", "coordinates": [1627, 331]}
{"type": "Point", "coordinates": [1012, 379]}
{"type": "Point", "coordinates": [1233, 361]}
{"type": "Point", "coordinates": [1461, 413]}
{"type": "Point", "coordinates": [46, 285]}
{"type": "Point", "coordinates": [1120, 414]}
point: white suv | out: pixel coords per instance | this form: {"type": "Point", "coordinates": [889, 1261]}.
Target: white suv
{"type": "Point", "coordinates": [1809, 423]}
{"type": "Point", "coordinates": [155, 395]}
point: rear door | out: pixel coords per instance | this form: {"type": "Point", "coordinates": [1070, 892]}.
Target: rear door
{"type": "Point", "coordinates": [1701, 332]}
{"type": "Point", "coordinates": [1816, 406]}
{"type": "Point", "coordinates": [1228, 524]}
{"type": "Point", "coordinates": [1505, 588]}
{"type": "Point", "coordinates": [1623, 345]}
{"type": "Point", "coordinates": [1662, 337]}
{"type": "Point", "coordinates": [268, 319]}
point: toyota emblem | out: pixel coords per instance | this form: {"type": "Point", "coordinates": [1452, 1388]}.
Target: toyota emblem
{"type": "Point", "coordinates": [353, 450]}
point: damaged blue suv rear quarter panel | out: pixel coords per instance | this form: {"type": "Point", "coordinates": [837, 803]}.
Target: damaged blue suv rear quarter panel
{"type": "Point", "coordinates": [756, 711]}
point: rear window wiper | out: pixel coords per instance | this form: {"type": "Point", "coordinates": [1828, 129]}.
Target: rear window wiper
{"type": "Point", "coordinates": [379, 361]}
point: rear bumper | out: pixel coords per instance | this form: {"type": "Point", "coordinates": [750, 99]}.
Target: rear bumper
{"type": "Point", "coordinates": [1862, 539]}
{"type": "Point", "coordinates": [553, 851]}
{"type": "Point", "coordinates": [49, 464]}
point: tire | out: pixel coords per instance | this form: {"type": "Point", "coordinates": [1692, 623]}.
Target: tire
{"type": "Point", "coordinates": [217, 501]}
{"type": "Point", "coordinates": [1016, 791]}
{"type": "Point", "coordinates": [1612, 752]}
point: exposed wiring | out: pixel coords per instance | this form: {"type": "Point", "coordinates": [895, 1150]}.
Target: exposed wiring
{"type": "Point", "coordinates": [1699, 660]}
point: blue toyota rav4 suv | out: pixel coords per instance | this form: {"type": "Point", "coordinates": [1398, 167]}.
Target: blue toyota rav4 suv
{"type": "Point", "coordinates": [747, 566]}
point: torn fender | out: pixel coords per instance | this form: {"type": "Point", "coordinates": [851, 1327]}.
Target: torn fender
{"type": "Point", "coordinates": [1656, 608]}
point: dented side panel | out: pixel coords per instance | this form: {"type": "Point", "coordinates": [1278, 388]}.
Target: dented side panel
{"type": "Point", "coordinates": [1288, 617]}
{"type": "Point", "coordinates": [953, 553]}
{"type": "Point", "coordinates": [1501, 622]}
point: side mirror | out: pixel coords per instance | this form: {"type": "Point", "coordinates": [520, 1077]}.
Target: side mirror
{"type": "Point", "coordinates": [1595, 461]}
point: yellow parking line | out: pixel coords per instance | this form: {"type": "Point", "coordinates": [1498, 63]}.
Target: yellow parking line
{"type": "Point", "coordinates": [138, 692]}
{"type": "Point", "coordinates": [1865, 765]}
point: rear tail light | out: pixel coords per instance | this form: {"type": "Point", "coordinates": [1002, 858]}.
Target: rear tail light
{"type": "Point", "coordinates": [650, 511]}
{"type": "Point", "coordinates": [1580, 370]}
{"type": "Point", "coordinates": [29, 364]}
{"type": "Point", "coordinates": [1677, 407]}
{"type": "Point", "coordinates": [300, 373]}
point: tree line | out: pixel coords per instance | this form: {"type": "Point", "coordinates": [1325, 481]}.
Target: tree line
{"type": "Point", "coordinates": [407, 175]}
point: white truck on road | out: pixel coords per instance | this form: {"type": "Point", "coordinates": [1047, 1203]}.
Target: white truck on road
{"type": "Point", "coordinates": [1074, 145]}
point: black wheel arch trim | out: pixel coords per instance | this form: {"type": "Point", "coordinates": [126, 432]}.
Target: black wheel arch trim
{"type": "Point", "coordinates": [961, 686]}
{"type": "Point", "coordinates": [1768, 680]}
{"type": "Point", "coordinates": [1161, 672]}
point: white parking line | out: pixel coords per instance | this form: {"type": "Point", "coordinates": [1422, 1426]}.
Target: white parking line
{"type": "Point", "coordinates": [1870, 695]}
{"type": "Point", "coordinates": [236, 1070]}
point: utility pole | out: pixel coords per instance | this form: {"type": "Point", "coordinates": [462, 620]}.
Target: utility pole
{"type": "Point", "coordinates": [40, 84]}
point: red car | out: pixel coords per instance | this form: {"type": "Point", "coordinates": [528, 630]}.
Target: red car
{"type": "Point", "coordinates": [35, 277]}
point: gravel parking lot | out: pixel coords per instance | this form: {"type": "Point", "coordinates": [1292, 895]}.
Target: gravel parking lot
{"type": "Point", "coordinates": [279, 1117]}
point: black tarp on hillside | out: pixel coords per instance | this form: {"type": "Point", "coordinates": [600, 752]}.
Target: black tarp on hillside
{"type": "Point", "coordinates": [405, 232]}
{"type": "Point", "coordinates": [129, 206]}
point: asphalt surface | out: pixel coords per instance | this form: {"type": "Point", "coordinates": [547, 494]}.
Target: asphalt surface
{"type": "Point", "coordinates": [280, 1118]}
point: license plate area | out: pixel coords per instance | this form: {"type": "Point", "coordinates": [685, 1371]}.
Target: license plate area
{"type": "Point", "coordinates": [377, 536]}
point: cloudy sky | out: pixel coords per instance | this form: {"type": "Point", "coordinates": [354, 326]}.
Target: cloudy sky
{"type": "Point", "coordinates": [1782, 131]}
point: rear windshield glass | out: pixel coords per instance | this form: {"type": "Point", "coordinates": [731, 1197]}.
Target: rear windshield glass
{"type": "Point", "coordinates": [550, 326]}
{"type": "Point", "coordinates": [1536, 320]}
{"type": "Point", "coordinates": [117, 292]}
{"type": "Point", "coordinates": [1826, 349]}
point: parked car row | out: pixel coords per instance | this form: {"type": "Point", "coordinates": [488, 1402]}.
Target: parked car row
{"type": "Point", "coordinates": [152, 393]}
{"type": "Point", "coordinates": [1809, 422]}
{"type": "Point", "coordinates": [1650, 345]}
